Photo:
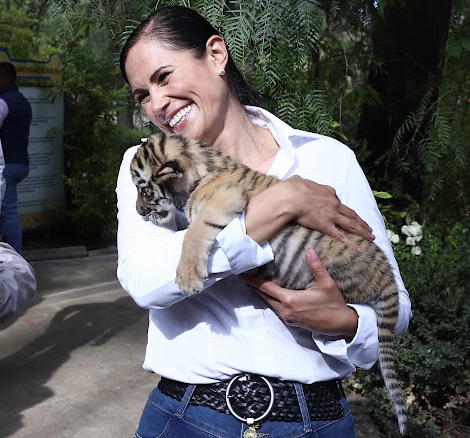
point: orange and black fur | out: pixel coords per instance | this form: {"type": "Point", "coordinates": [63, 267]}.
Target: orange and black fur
{"type": "Point", "coordinates": [173, 173]}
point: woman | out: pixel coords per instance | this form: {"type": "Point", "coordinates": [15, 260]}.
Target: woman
{"type": "Point", "coordinates": [289, 346]}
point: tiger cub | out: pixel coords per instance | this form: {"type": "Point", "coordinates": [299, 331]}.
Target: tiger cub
{"type": "Point", "coordinates": [173, 173]}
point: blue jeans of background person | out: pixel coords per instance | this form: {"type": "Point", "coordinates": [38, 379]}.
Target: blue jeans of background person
{"type": "Point", "coordinates": [10, 223]}
{"type": "Point", "coordinates": [164, 416]}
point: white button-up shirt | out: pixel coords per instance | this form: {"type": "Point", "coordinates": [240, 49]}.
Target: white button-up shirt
{"type": "Point", "coordinates": [227, 329]}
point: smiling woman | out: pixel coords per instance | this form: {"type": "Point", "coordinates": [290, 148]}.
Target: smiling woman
{"type": "Point", "coordinates": [180, 97]}
{"type": "Point", "coordinates": [232, 337]}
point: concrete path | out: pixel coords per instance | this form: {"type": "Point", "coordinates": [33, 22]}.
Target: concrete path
{"type": "Point", "coordinates": [71, 365]}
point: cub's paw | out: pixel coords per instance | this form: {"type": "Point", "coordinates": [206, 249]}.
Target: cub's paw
{"type": "Point", "coordinates": [189, 279]}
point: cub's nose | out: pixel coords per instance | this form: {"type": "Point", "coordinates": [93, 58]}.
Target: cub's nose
{"type": "Point", "coordinates": [141, 207]}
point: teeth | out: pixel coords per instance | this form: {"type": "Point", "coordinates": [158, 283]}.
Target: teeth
{"type": "Point", "coordinates": [179, 116]}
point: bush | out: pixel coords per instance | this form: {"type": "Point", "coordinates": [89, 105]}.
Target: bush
{"type": "Point", "coordinates": [91, 181]}
{"type": "Point", "coordinates": [94, 143]}
{"type": "Point", "coordinates": [433, 357]}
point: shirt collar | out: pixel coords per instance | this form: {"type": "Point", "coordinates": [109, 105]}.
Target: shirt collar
{"type": "Point", "coordinates": [286, 137]}
{"type": "Point", "coordinates": [281, 130]}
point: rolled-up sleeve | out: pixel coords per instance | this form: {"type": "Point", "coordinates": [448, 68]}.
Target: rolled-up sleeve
{"type": "Point", "coordinates": [242, 252]}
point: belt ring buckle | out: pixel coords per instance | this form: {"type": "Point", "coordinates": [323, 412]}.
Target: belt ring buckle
{"type": "Point", "coordinates": [243, 377]}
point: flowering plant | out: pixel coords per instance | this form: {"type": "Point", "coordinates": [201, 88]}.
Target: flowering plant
{"type": "Point", "coordinates": [413, 233]}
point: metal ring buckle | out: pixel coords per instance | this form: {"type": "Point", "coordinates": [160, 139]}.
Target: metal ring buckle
{"type": "Point", "coordinates": [244, 377]}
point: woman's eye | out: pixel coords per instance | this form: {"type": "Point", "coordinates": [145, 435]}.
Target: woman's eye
{"type": "Point", "coordinates": [143, 98]}
{"type": "Point", "coordinates": [164, 77]}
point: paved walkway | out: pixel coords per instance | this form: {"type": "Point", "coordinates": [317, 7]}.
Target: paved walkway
{"type": "Point", "coordinates": [71, 365]}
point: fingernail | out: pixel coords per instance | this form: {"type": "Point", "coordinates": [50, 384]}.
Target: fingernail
{"type": "Point", "coordinates": [360, 250]}
{"type": "Point", "coordinates": [312, 254]}
{"type": "Point", "coordinates": [372, 236]}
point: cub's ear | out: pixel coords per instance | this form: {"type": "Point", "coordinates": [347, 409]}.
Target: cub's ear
{"type": "Point", "coordinates": [170, 169]}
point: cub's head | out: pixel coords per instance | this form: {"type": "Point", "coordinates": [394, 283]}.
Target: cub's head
{"type": "Point", "coordinates": [165, 170]}
{"type": "Point", "coordinates": [151, 171]}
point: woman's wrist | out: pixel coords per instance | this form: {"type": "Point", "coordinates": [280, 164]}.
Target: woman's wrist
{"type": "Point", "coordinates": [350, 322]}
{"type": "Point", "coordinates": [337, 322]}
{"type": "Point", "coordinates": [269, 211]}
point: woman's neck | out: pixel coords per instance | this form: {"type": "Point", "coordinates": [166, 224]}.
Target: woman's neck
{"type": "Point", "coordinates": [248, 143]}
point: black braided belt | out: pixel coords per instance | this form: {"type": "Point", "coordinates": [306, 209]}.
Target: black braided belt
{"type": "Point", "coordinates": [251, 397]}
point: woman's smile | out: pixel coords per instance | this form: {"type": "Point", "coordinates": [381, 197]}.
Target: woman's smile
{"type": "Point", "coordinates": [178, 118]}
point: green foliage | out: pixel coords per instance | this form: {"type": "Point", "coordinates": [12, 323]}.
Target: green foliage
{"type": "Point", "coordinates": [91, 176]}
{"type": "Point", "coordinates": [441, 154]}
{"type": "Point", "coordinates": [311, 57]}
{"type": "Point", "coordinates": [20, 37]}
{"type": "Point", "coordinates": [344, 58]}
{"type": "Point", "coordinates": [433, 357]}
{"type": "Point", "coordinates": [431, 146]}
{"type": "Point", "coordinates": [275, 44]}
{"type": "Point", "coordinates": [93, 142]}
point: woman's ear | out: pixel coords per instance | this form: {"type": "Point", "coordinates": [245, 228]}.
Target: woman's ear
{"type": "Point", "coordinates": [217, 51]}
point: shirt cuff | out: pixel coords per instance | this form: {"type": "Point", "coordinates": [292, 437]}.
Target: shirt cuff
{"type": "Point", "coordinates": [363, 350]}
{"type": "Point", "coordinates": [242, 252]}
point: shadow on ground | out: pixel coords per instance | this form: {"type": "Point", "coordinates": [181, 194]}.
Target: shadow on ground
{"type": "Point", "coordinates": [24, 374]}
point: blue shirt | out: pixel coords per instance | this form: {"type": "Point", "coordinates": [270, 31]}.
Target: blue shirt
{"type": "Point", "coordinates": [14, 132]}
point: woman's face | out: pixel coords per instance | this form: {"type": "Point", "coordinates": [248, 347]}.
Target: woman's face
{"type": "Point", "coordinates": [180, 94]}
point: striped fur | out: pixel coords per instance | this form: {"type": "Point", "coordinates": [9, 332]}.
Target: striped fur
{"type": "Point", "coordinates": [173, 173]}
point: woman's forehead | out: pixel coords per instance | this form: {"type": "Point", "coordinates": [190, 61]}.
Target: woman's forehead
{"type": "Point", "coordinates": [155, 51]}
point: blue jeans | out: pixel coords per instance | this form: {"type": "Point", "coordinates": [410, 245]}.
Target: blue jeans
{"type": "Point", "coordinates": [164, 416]}
{"type": "Point", "coordinates": [10, 223]}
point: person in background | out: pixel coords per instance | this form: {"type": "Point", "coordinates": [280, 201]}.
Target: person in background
{"type": "Point", "coordinates": [15, 122]}
{"type": "Point", "coordinates": [17, 277]}
{"type": "Point", "coordinates": [235, 361]}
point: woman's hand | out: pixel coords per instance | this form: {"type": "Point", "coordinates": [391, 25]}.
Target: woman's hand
{"type": "Point", "coordinates": [311, 205]}
{"type": "Point", "coordinates": [321, 308]}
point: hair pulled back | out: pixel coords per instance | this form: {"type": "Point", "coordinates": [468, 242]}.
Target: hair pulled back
{"type": "Point", "coordinates": [184, 29]}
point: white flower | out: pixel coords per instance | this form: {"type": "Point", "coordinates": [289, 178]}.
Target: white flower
{"type": "Point", "coordinates": [393, 237]}
{"type": "Point", "coordinates": [415, 234]}
{"type": "Point", "coordinates": [414, 229]}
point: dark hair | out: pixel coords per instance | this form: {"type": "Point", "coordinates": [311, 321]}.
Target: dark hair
{"type": "Point", "coordinates": [7, 72]}
{"type": "Point", "coordinates": [184, 29]}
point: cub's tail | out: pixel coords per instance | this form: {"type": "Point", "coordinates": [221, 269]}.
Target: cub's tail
{"type": "Point", "coordinates": [387, 311]}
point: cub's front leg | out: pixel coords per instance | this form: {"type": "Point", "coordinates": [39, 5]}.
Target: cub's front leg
{"type": "Point", "coordinates": [212, 215]}
{"type": "Point", "coordinates": [192, 267]}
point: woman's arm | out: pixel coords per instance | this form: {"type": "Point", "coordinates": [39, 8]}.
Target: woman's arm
{"type": "Point", "coordinates": [320, 308]}
{"type": "Point", "coordinates": [149, 254]}
{"type": "Point", "coordinates": [312, 205]}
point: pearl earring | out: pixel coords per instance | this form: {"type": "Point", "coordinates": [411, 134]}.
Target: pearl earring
{"type": "Point", "coordinates": [221, 72]}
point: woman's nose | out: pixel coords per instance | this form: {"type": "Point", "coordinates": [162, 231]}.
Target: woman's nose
{"type": "Point", "coordinates": [158, 104]}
